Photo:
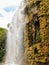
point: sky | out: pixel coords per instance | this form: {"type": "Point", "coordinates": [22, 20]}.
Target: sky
{"type": "Point", "coordinates": [7, 10]}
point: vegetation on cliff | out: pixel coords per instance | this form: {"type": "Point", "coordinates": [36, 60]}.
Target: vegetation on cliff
{"type": "Point", "coordinates": [37, 32]}
{"type": "Point", "coordinates": [3, 33]}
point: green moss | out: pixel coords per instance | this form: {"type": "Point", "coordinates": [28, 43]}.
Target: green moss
{"type": "Point", "coordinates": [8, 24]}
{"type": "Point", "coordinates": [38, 37]}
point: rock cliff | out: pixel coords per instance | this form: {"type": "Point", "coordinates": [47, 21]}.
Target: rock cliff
{"type": "Point", "coordinates": [36, 34]}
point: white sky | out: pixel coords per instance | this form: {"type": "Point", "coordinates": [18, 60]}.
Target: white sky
{"type": "Point", "coordinates": [6, 17]}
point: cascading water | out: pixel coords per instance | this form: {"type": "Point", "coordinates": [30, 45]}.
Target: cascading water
{"type": "Point", "coordinates": [11, 45]}
{"type": "Point", "coordinates": [15, 38]}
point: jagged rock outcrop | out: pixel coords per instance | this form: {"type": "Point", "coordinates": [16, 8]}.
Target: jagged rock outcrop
{"type": "Point", "coordinates": [36, 40]}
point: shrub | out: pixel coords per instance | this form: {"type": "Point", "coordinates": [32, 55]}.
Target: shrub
{"type": "Point", "coordinates": [2, 43]}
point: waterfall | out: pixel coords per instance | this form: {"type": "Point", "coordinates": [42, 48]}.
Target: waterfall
{"type": "Point", "coordinates": [14, 43]}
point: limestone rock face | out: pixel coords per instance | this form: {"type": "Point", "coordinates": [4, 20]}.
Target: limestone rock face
{"type": "Point", "coordinates": [36, 34]}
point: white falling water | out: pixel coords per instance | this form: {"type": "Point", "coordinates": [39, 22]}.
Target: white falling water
{"type": "Point", "coordinates": [15, 38]}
